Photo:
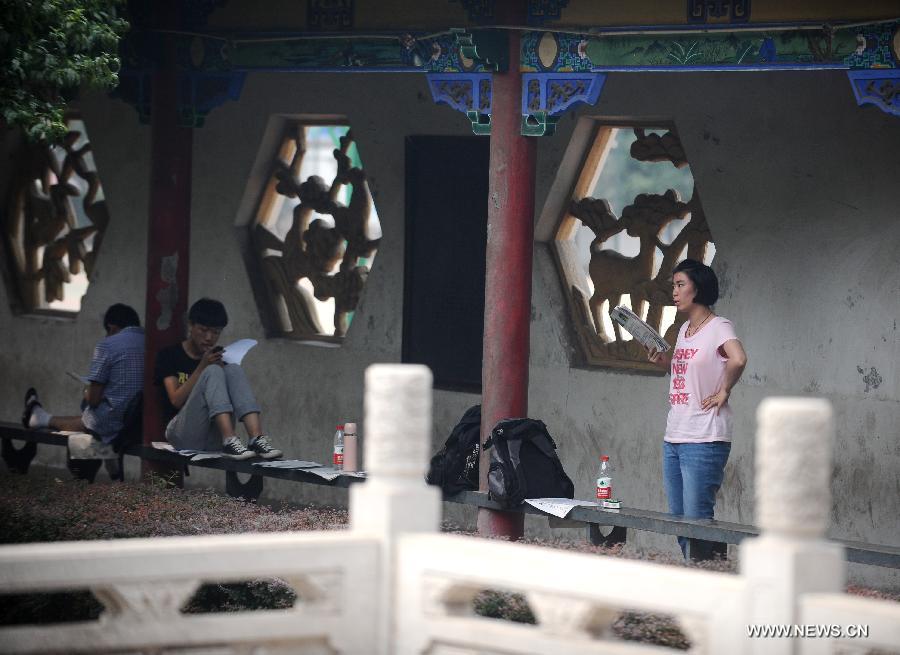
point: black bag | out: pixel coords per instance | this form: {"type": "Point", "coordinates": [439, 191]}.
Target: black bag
{"type": "Point", "coordinates": [524, 464]}
{"type": "Point", "coordinates": [132, 420]}
{"type": "Point", "coordinates": [454, 467]}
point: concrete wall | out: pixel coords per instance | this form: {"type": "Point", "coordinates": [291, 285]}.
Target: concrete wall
{"type": "Point", "coordinates": [798, 185]}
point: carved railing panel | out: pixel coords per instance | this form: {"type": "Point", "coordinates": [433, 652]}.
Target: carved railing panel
{"type": "Point", "coordinates": [54, 224]}
{"type": "Point", "coordinates": [315, 234]}
{"type": "Point", "coordinates": [633, 214]}
{"type": "Point", "coordinates": [144, 585]}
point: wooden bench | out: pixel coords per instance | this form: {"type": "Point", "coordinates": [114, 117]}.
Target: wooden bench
{"type": "Point", "coordinates": [19, 460]}
{"type": "Point", "coordinates": [591, 518]}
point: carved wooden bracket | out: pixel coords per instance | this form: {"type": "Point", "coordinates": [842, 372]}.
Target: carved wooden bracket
{"type": "Point", "coordinates": [877, 87]}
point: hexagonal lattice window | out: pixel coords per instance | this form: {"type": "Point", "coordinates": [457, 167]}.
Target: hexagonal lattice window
{"type": "Point", "coordinates": [315, 231]}
{"type": "Point", "coordinates": [55, 223]}
{"type": "Point", "coordinates": [632, 214]}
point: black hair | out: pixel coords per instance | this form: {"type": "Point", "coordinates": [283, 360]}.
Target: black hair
{"type": "Point", "coordinates": [704, 279]}
{"type": "Point", "coordinates": [208, 312]}
{"type": "Point", "coordinates": [121, 316]}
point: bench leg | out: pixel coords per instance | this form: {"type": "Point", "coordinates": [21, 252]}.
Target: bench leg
{"type": "Point", "coordinates": [83, 469]}
{"type": "Point", "coordinates": [614, 538]}
{"type": "Point", "coordinates": [700, 550]}
{"type": "Point", "coordinates": [18, 459]}
{"type": "Point", "coordinates": [249, 490]}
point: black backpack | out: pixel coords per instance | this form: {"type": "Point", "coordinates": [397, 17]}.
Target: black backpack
{"type": "Point", "coordinates": [524, 464]}
{"type": "Point", "coordinates": [454, 467]}
{"type": "Point", "coordinates": [132, 420]}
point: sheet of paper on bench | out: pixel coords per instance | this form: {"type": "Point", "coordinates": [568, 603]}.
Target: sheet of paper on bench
{"type": "Point", "coordinates": [196, 455]}
{"type": "Point", "coordinates": [559, 506]}
{"type": "Point", "coordinates": [288, 464]}
{"type": "Point", "coordinates": [330, 473]}
{"type": "Point", "coordinates": [234, 352]}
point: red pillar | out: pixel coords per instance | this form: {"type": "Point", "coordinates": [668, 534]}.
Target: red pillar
{"type": "Point", "coordinates": [507, 298]}
{"type": "Point", "coordinates": [169, 233]}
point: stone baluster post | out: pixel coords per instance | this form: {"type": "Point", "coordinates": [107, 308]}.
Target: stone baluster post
{"type": "Point", "coordinates": [394, 499]}
{"type": "Point", "coordinates": [794, 442]}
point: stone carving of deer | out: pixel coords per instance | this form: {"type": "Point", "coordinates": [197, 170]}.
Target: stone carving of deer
{"type": "Point", "coordinates": [614, 274]}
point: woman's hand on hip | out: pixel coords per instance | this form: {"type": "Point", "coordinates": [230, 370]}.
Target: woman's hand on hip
{"type": "Point", "coordinates": [715, 401]}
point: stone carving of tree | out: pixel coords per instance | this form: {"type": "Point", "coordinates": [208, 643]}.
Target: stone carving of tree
{"type": "Point", "coordinates": [614, 275]}
{"type": "Point", "coordinates": [312, 248]}
{"type": "Point", "coordinates": [48, 238]}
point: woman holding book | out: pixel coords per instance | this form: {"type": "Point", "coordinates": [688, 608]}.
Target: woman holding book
{"type": "Point", "coordinates": [706, 363]}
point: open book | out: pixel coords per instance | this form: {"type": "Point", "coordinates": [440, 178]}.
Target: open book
{"type": "Point", "coordinates": [639, 329]}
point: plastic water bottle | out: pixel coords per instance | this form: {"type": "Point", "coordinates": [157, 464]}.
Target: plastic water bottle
{"type": "Point", "coordinates": [604, 479]}
{"type": "Point", "coordinates": [338, 459]}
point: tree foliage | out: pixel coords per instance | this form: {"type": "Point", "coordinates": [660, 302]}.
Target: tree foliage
{"type": "Point", "coordinates": [49, 49]}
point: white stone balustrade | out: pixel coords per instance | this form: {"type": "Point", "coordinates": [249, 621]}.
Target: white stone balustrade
{"type": "Point", "coordinates": [144, 583]}
{"type": "Point", "coordinates": [794, 441]}
{"type": "Point", "coordinates": [393, 585]}
{"type": "Point", "coordinates": [793, 506]}
{"type": "Point", "coordinates": [394, 500]}
{"type": "Point", "coordinates": [575, 598]}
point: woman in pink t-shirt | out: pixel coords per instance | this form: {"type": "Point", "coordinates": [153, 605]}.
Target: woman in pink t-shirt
{"type": "Point", "coordinates": [706, 363]}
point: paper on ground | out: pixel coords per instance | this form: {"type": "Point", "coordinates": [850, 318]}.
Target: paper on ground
{"type": "Point", "coordinates": [640, 330]}
{"type": "Point", "coordinates": [80, 378]}
{"type": "Point", "coordinates": [559, 506]}
{"type": "Point", "coordinates": [235, 352]}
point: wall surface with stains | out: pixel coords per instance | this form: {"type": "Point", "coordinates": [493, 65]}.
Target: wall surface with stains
{"type": "Point", "coordinates": [799, 188]}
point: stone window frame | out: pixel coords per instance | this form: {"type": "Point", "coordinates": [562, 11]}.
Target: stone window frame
{"type": "Point", "coordinates": [556, 220]}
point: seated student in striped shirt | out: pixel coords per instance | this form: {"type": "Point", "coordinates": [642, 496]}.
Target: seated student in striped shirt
{"type": "Point", "coordinates": [115, 378]}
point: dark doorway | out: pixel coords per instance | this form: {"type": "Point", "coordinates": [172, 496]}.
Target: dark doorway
{"type": "Point", "coordinates": [446, 232]}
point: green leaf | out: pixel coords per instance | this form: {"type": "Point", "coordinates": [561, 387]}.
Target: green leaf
{"type": "Point", "coordinates": [48, 49]}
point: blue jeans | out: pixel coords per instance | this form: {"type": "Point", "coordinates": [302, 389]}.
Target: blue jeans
{"type": "Point", "coordinates": [693, 473]}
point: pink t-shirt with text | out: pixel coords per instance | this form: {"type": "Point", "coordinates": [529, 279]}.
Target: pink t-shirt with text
{"type": "Point", "coordinates": [698, 371]}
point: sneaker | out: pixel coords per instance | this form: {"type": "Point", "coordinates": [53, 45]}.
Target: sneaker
{"type": "Point", "coordinates": [263, 448]}
{"type": "Point", "coordinates": [234, 449]}
{"type": "Point", "coordinates": [31, 402]}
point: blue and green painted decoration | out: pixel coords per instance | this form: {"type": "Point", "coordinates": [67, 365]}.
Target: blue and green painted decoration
{"type": "Point", "coordinates": [560, 69]}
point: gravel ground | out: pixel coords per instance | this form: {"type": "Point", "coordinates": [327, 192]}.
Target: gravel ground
{"type": "Point", "coordinates": [44, 506]}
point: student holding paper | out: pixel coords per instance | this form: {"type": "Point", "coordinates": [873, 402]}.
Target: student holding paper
{"type": "Point", "coordinates": [116, 376]}
{"type": "Point", "coordinates": [204, 394]}
{"type": "Point", "coordinates": [706, 363]}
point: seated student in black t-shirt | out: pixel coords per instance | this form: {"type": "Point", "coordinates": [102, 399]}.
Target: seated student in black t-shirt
{"type": "Point", "coordinates": [203, 395]}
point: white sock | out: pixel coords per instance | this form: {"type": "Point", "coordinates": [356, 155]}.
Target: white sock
{"type": "Point", "coordinates": [39, 418]}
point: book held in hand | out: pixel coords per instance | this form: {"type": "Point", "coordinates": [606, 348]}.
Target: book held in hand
{"type": "Point", "coordinates": [639, 329]}
{"type": "Point", "coordinates": [234, 353]}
